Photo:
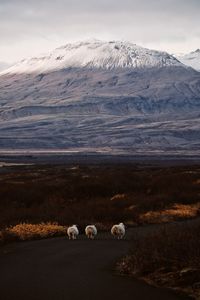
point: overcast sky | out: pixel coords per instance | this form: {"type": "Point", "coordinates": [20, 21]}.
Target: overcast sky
{"type": "Point", "coordinates": [31, 27]}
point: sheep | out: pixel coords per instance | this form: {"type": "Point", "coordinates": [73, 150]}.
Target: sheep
{"type": "Point", "coordinates": [91, 231]}
{"type": "Point", "coordinates": [73, 232]}
{"type": "Point", "coordinates": [118, 230]}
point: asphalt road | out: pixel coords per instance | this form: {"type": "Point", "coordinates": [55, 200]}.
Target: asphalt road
{"type": "Point", "coordinates": [59, 269]}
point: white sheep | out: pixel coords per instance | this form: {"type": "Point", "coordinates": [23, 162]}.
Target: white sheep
{"type": "Point", "coordinates": [118, 230]}
{"type": "Point", "coordinates": [91, 231]}
{"type": "Point", "coordinates": [73, 232]}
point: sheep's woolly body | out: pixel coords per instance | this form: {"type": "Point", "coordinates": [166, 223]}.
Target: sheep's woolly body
{"type": "Point", "coordinates": [91, 231]}
{"type": "Point", "coordinates": [72, 232]}
{"type": "Point", "coordinates": [118, 230]}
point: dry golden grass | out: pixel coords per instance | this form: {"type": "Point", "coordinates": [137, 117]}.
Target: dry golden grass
{"type": "Point", "coordinates": [26, 231]}
{"type": "Point", "coordinates": [178, 211]}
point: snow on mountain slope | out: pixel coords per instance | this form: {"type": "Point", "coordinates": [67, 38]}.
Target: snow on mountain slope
{"type": "Point", "coordinates": [93, 95]}
{"type": "Point", "coordinates": [96, 54]}
{"type": "Point", "coordinates": [191, 59]}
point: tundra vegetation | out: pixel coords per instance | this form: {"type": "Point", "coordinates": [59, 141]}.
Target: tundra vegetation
{"type": "Point", "coordinates": [168, 256]}
{"type": "Point", "coordinates": [52, 196]}
{"type": "Point", "coordinates": [42, 201]}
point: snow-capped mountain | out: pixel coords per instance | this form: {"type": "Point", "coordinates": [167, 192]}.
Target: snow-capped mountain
{"type": "Point", "coordinates": [97, 95]}
{"type": "Point", "coordinates": [191, 59]}
{"type": "Point", "coordinates": [96, 54]}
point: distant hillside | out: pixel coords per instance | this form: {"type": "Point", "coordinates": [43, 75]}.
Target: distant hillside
{"type": "Point", "coordinates": [96, 95]}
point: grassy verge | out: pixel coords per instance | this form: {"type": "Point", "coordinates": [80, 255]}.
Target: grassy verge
{"type": "Point", "coordinates": [26, 231]}
{"type": "Point", "coordinates": [168, 257]}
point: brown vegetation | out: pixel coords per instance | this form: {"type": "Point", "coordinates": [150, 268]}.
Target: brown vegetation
{"type": "Point", "coordinates": [35, 199]}
{"type": "Point", "coordinates": [103, 194]}
{"type": "Point", "coordinates": [26, 231]}
{"type": "Point", "coordinates": [168, 256]}
{"type": "Point", "coordinates": [176, 212]}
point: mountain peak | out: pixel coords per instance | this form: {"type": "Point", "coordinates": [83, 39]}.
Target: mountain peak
{"type": "Point", "coordinates": [191, 59]}
{"type": "Point", "coordinates": [97, 99]}
{"type": "Point", "coordinates": [96, 54]}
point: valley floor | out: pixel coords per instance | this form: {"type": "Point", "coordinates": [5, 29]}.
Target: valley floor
{"type": "Point", "coordinates": [57, 269]}
{"type": "Point", "coordinates": [39, 200]}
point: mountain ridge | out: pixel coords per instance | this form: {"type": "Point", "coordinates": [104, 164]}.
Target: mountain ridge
{"type": "Point", "coordinates": [191, 59]}
{"type": "Point", "coordinates": [96, 54]}
{"type": "Point", "coordinates": [155, 107]}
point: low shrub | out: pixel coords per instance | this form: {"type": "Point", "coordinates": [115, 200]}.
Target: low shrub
{"type": "Point", "coordinates": [168, 257]}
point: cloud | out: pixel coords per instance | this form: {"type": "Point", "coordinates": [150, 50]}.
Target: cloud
{"type": "Point", "coordinates": [28, 27]}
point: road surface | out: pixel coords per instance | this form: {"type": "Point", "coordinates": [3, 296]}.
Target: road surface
{"type": "Point", "coordinates": [59, 269]}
